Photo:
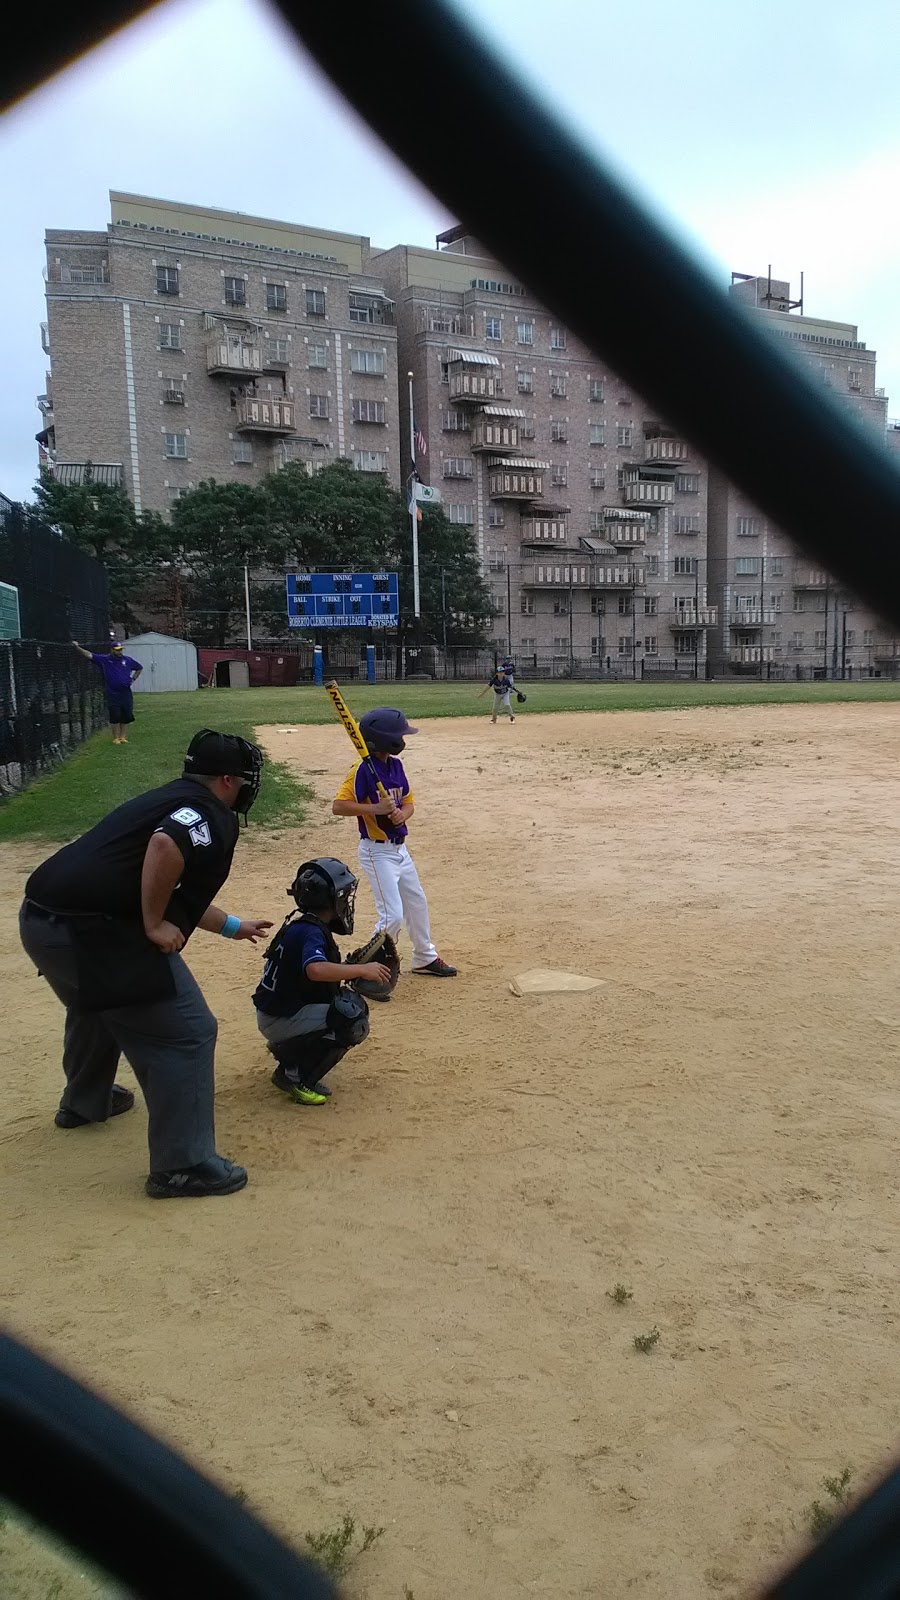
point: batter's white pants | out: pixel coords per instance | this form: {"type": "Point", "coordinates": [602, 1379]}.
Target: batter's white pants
{"type": "Point", "coordinates": [399, 896]}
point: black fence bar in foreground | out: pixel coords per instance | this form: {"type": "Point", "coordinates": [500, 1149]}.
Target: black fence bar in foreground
{"type": "Point", "coordinates": [50, 700]}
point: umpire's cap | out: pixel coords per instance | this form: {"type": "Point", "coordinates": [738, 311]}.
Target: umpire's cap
{"type": "Point", "coordinates": [220, 755]}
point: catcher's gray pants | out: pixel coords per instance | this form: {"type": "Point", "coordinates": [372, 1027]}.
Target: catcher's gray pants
{"type": "Point", "coordinates": [277, 1030]}
{"type": "Point", "coordinates": [170, 1046]}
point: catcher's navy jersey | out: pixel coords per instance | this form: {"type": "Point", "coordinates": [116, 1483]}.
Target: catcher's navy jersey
{"type": "Point", "coordinates": [284, 986]}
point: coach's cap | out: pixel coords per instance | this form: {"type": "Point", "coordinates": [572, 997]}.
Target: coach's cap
{"type": "Point", "coordinates": [116, 649]}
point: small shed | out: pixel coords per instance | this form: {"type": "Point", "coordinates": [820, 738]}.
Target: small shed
{"type": "Point", "coordinates": [168, 663]}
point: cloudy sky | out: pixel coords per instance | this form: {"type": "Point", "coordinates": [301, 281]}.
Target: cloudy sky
{"type": "Point", "coordinates": [764, 133]}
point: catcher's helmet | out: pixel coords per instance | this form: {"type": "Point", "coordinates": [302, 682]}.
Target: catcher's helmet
{"type": "Point", "coordinates": [325, 884]}
{"type": "Point", "coordinates": [385, 729]}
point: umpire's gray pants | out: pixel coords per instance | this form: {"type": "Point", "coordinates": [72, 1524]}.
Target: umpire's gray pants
{"type": "Point", "coordinates": [169, 1045]}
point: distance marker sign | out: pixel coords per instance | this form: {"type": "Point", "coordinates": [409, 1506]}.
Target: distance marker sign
{"type": "Point", "coordinates": [343, 600]}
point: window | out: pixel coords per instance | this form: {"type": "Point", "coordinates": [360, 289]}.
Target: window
{"type": "Point", "coordinates": [650, 645]}
{"type": "Point", "coordinates": [370, 361]}
{"type": "Point", "coordinates": [495, 517]}
{"type": "Point", "coordinates": [173, 390]}
{"type": "Point", "coordinates": [746, 566]}
{"type": "Point", "coordinates": [526, 428]}
{"type": "Point", "coordinates": [526, 605]}
{"type": "Point", "coordinates": [177, 446]}
{"type": "Point", "coordinates": [525, 382]}
{"type": "Point", "coordinates": [558, 385]}
{"type": "Point", "coordinates": [370, 460]}
{"type": "Point", "coordinates": [169, 336]}
{"type": "Point", "coordinates": [652, 565]}
{"type": "Point", "coordinates": [620, 477]}
{"type": "Point", "coordinates": [557, 338]}
{"type": "Point", "coordinates": [235, 292]}
{"type": "Point", "coordinates": [496, 564]}
{"type": "Point", "coordinates": [624, 644]}
{"type": "Point", "coordinates": [651, 605]}
{"type": "Point", "coordinates": [798, 602]}
{"type": "Point", "coordinates": [242, 452]}
{"type": "Point", "coordinates": [464, 514]}
{"type": "Point", "coordinates": [598, 646]}
{"type": "Point", "coordinates": [524, 333]}
{"type": "Point", "coordinates": [850, 639]}
{"type": "Point", "coordinates": [281, 351]}
{"type": "Point", "coordinates": [820, 639]}
{"type": "Point", "coordinates": [167, 280]}
{"type": "Point", "coordinates": [527, 644]}
{"type": "Point", "coordinates": [598, 605]}
{"type": "Point", "coordinates": [445, 372]}
{"type": "Point", "coordinates": [687, 483]}
{"type": "Point", "coordinates": [796, 641]}
{"type": "Point", "coordinates": [868, 638]}
{"type": "Point", "coordinates": [689, 524]}
{"type": "Point", "coordinates": [276, 297]}
{"type": "Point", "coordinates": [624, 433]}
{"type": "Point", "coordinates": [559, 476]}
{"type": "Point", "coordinates": [317, 357]}
{"type": "Point", "coordinates": [596, 390]}
{"type": "Point", "coordinates": [560, 605]}
{"type": "Point", "coordinates": [749, 527]}
{"type": "Point", "coordinates": [684, 564]}
{"type": "Point", "coordinates": [458, 467]}
{"type": "Point", "coordinates": [559, 433]}
{"type": "Point", "coordinates": [315, 302]}
{"type": "Point", "coordinates": [854, 379]}
{"type": "Point", "coordinates": [456, 422]}
{"type": "Point", "coordinates": [560, 644]}
{"type": "Point", "coordinates": [598, 477]}
{"type": "Point", "coordinates": [775, 566]}
{"type": "Point", "coordinates": [493, 328]}
{"type": "Point", "coordinates": [624, 605]}
{"type": "Point", "coordinates": [598, 433]}
{"type": "Point", "coordinates": [368, 411]}
{"type": "Point", "coordinates": [684, 644]}
{"type": "Point", "coordinates": [318, 405]}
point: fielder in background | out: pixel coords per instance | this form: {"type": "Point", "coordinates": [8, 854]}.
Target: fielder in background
{"type": "Point", "coordinates": [119, 673]}
{"type": "Point", "coordinates": [103, 921]}
{"type": "Point", "coordinates": [502, 685]}
{"type": "Point", "coordinates": [383, 828]}
{"type": "Point", "coordinates": [306, 1015]}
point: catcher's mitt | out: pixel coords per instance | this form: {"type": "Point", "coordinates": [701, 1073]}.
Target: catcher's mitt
{"type": "Point", "coordinates": [381, 948]}
{"type": "Point", "coordinates": [521, 697]}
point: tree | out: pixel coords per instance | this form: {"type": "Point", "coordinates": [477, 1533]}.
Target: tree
{"type": "Point", "coordinates": [216, 530]}
{"type": "Point", "coordinates": [100, 518]}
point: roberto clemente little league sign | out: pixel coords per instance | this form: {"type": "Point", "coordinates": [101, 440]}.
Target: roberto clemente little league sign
{"type": "Point", "coordinates": [343, 600]}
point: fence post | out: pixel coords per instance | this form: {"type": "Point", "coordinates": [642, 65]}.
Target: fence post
{"type": "Point", "coordinates": [318, 672]}
{"type": "Point", "coordinates": [370, 663]}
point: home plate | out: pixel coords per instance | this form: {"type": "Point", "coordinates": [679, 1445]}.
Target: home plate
{"type": "Point", "coordinates": [543, 980]}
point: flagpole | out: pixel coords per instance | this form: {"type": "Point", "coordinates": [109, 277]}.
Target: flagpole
{"type": "Point", "coordinates": [414, 504]}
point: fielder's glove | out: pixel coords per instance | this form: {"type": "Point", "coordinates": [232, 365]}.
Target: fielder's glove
{"type": "Point", "coordinates": [380, 947]}
{"type": "Point", "coordinates": [521, 697]}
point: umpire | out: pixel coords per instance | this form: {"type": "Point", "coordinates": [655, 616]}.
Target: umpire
{"type": "Point", "coordinates": [103, 921]}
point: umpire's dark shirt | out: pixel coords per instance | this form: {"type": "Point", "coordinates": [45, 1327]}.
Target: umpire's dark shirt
{"type": "Point", "coordinates": [101, 871]}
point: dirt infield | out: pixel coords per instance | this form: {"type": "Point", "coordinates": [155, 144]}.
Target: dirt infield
{"type": "Point", "coordinates": [407, 1314]}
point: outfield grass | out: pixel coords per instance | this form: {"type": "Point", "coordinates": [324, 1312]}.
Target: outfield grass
{"type": "Point", "coordinates": [100, 776]}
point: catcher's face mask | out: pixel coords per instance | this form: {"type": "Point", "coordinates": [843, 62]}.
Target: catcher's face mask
{"type": "Point", "coordinates": [345, 908]}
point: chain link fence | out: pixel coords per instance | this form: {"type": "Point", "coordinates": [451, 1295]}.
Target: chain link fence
{"type": "Point", "coordinates": [50, 700]}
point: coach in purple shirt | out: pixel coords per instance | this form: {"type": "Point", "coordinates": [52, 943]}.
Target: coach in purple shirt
{"type": "Point", "coordinates": [119, 673]}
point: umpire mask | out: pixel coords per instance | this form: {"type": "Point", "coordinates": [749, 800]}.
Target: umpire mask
{"type": "Point", "coordinates": [326, 885]}
{"type": "Point", "coordinates": [223, 755]}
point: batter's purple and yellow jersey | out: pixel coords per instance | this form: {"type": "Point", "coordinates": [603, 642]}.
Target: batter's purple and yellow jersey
{"type": "Point", "coordinates": [359, 785]}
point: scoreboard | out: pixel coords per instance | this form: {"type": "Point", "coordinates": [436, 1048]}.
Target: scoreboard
{"type": "Point", "coordinates": [343, 600]}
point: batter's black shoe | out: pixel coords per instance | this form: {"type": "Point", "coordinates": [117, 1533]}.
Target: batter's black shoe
{"type": "Point", "coordinates": [436, 969]}
{"type": "Point", "coordinates": [215, 1176]}
{"type": "Point", "coordinates": [122, 1100]}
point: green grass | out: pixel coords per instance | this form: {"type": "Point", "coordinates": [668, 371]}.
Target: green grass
{"type": "Point", "coordinates": [100, 776]}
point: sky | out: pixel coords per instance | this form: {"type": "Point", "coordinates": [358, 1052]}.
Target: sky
{"type": "Point", "coordinates": [763, 134]}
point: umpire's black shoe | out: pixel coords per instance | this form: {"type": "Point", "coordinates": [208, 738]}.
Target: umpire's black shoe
{"type": "Point", "coordinates": [122, 1100]}
{"type": "Point", "coordinates": [215, 1176]}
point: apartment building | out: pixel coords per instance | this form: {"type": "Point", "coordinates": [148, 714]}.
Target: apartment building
{"type": "Point", "coordinates": [188, 343]}
{"type": "Point", "coordinates": [774, 606]}
{"type": "Point", "coordinates": [588, 510]}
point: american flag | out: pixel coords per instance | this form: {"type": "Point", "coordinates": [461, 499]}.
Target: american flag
{"type": "Point", "coordinates": [419, 442]}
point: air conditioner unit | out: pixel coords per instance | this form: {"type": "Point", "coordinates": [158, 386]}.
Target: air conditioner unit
{"type": "Point", "coordinates": [174, 397]}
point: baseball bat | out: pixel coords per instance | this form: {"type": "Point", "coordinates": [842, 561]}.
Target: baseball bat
{"type": "Point", "coordinates": [355, 735]}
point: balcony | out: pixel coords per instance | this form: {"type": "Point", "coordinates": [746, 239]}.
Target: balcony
{"type": "Point", "coordinates": [666, 450]}
{"type": "Point", "coordinates": [451, 325]}
{"type": "Point", "coordinates": [649, 486]}
{"type": "Point", "coordinates": [496, 428]}
{"type": "Point", "coordinates": [694, 617]}
{"type": "Point", "coordinates": [545, 530]}
{"type": "Point", "coordinates": [516, 480]}
{"type": "Point", "coordinates": [45, 338]}
{"type": "Point", "coordinates": [233, 357]}
{"type": "Point", "coordinates": [754, 618]}
{"type": "Point", "coordinates": [476, 385]}
{"type": "Point", "coordinates": [623, 534]}
{"type": "Point", "coordinates": [80, 472]}
{"type": "Point", "coordinates": [581, 575]}
{"type": "Point", "coordinates": [751, 655]}
{"type": "Point", "coordinates": [805, 578]}
{"type": "Point", "coordinates": [265, 414]}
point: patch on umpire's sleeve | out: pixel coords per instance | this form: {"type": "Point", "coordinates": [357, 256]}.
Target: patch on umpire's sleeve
{"type": "Point", "coordinates": [187, 816]}
{"type": "Point", "coordinates": [201, 834]}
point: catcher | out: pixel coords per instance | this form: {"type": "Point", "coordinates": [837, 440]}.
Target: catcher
{"type": "Point", "coordinates": [308, 1008]}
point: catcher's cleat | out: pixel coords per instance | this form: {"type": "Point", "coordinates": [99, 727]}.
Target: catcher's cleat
{"type": "Point", "coordinates": [302, 1096]}
{"type": "Point", "coordinates": [320, 1093]}
{"type": "Point", "coordinates": [436, 969]}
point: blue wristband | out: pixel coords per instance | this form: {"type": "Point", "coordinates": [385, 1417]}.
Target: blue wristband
{"type": "Point", "coordinates": [230, 927]}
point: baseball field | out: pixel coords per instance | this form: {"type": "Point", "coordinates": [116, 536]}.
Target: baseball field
{"type": "Point", "coordinates": [576, 1294]}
